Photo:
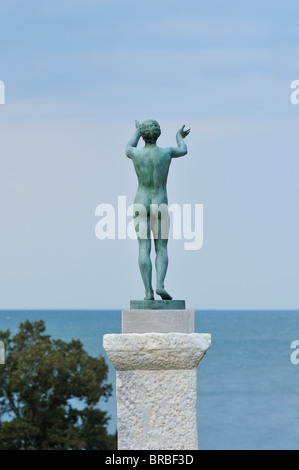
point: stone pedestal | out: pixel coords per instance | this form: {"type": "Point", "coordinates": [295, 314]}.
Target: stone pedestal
{"type": "Point", "coordinates": [157, 321]}
{"type": "Point", "coordinates": [156, 379]}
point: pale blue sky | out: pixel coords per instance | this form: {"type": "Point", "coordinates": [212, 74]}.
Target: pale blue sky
{"type": "Point", "coordinates": [77, 75]}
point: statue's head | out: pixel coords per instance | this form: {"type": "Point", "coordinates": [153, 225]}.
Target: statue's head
{"type": "Point", "coordinates": [150, 131]}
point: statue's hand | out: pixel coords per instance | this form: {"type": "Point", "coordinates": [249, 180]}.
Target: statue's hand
{"type": "Point", "coordinates": [182, 132]}
{"type": "Point", "coordinates": [137, 124]}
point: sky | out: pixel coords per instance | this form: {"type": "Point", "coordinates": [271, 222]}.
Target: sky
{"type": "Point", "coordinates": [77, 74]}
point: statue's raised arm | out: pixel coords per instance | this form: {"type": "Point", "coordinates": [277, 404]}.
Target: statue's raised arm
{"type": "Point", "coordinates": [134, 141]}
{"type": "Point", "coordinates": [181, 149]}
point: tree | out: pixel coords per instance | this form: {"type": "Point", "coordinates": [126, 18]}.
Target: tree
{"type": "Point", "coordinates": [40, 378]}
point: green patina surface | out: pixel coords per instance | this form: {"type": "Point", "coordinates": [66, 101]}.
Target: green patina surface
{"type": "Point", "coordinates": [151, 164]}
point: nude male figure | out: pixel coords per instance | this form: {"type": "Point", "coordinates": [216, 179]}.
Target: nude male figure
{"type": "Point", "coordinates": [152, 164]}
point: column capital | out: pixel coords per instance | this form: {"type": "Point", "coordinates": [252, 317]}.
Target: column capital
{"type": "Point", "coordinates": [156, 351]}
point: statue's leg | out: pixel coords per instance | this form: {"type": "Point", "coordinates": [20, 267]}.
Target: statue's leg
{"type": "Point", "coordinates": [160, 229]}
{"type": "Point", "coordinates": [145, 266]}
{"type": "Point", "coordinates": [144, 259]}
{"type": "Point", "coordinates": [161, 267]}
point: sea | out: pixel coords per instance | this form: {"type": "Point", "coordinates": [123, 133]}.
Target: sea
{"type": "Point", "coordinates": [248, 387]}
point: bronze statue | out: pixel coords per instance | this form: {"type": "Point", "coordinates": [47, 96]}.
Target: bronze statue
{"type": "Point", "coordinates": [152, 164]}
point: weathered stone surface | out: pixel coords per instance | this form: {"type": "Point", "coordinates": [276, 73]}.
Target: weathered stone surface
{"type": "Point", "coordinates": [156, 351]}
{"type": "Point", "coordinates": [157, 410]}
{"type": "Point", "coordinates": [158, 304]}
{"type": "Point", "coordinates": [156, 388]}
{"type": "Point", "coordinates": [157, 321]}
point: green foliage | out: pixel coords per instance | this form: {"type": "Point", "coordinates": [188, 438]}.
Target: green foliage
{"type": "Point", "coordinates": [40, 378]}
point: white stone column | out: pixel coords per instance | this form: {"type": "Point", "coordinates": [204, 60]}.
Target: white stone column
{"type": "Point", "coordinates": [156, 381]}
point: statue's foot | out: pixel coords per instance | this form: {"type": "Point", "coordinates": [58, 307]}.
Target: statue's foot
{"type": "Point", "coordinates": [149, 296]}
{"type": "Point", "coordinates": [163, 293]}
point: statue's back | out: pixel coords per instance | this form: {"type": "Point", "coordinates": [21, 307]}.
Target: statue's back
{"type": "Point", "coordinates": [152, 166]}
